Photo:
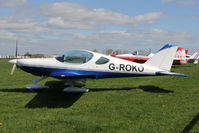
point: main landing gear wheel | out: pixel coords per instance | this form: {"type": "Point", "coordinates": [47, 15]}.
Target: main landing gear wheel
{"type": "Point", "coordinates": [35, 87]}
{"type": "Point", "coordinates": [74, 87]}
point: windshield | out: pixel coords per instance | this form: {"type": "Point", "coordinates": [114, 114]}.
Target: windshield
{"type": "Point", "coordinates": [75, 57]}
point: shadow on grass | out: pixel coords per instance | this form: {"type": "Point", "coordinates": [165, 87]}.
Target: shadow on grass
{"type": "Point", "coordinates": [19, 90]}
{"type": "Point", "coordinates": [109, 89]}
{"type": "Point", "coordinates": [154, 89]}
{"type": "Point", "coordinates": [149, 88]}
{"type": "Point", "coordinates": [54, 97]}
{"type": "Point", "coordinates": [191, 124]}
{"type": "Point", "coordinates": [53, 100]}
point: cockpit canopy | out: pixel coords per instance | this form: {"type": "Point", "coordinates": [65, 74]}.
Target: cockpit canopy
{"type": "Point", "coordinates": [75, 57]}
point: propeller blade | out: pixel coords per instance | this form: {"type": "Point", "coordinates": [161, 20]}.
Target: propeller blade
{"type": "Point", "coordinates": [14, 61]}
{"type": "Point", "coordinates": [13, 69]}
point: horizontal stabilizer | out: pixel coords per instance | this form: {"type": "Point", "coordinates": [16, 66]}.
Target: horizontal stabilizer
{"type": "Point", "coordinates": [170, 73]}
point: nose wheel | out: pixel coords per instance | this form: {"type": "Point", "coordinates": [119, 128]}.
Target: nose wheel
{"type": "Point", "coordinates": [35, 87]}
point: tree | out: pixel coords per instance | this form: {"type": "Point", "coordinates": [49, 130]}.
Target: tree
{"type": "Point", "coordinates": [27, 54]}
{"type": "Point", "coordinates": [109, 51]}
{"type": "Point", "coordinates": [95, 50]}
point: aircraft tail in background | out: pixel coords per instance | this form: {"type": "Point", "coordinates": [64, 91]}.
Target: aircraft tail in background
{"type": "Point", "coordinates": [195, 56]}
{"type": "Point", "coordinates": [180, 57]}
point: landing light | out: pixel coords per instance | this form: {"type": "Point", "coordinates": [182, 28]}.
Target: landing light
{"type": "Point", "coordinates": [62, 76]}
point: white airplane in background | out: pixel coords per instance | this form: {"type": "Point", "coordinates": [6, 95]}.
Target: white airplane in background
{"type": "Point", "coordinates": [81, 64]}
{"type": "Point", "coordinates": [193, 58]}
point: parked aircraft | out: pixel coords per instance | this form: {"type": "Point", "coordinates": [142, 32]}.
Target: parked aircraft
{"type": "Point", "coordinates": [81, 64]}
{"type": "Point", "coordinates": [193, 59]}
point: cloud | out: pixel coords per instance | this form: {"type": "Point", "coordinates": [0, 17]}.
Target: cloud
{"type": "Point", "coordinates": [7, 36]}
{"type": "Point", "coordinates": [121, 39]}
{"type": "Point", "coordinates": [158, 36]}
{"type": "Point", "coordinates": [46, 22]}
{"type": "Point", "coordinates": [103, 39]}
{"type": "Point", "coordinates": [153, 36]}
{"type": "Point", "coordinates": [22, 25]}
{"type": "Point", "coordinates": [71, 15]}
{"type": "Point", "coordinates": [60, 23]}
{"type": "Point", "coordinates": [148, 18]}
{"type": "Point", "coordinates": [12, 3]}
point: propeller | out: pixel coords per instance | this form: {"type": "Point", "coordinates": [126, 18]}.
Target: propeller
{"type": "Point", "coordinates": [13, 69]}
{"type": "Point", "coordinates": [14, 61]}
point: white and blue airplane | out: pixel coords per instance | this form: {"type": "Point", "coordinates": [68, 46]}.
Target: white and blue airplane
{"type": "Point", "coordinates": [82, 64]}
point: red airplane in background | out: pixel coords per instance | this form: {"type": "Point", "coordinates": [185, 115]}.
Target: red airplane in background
{"type": "Point", "coordinates": [141, 56]}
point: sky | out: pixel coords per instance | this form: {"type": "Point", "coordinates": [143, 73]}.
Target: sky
{"type": "Point", "coordinates": [57, 26]}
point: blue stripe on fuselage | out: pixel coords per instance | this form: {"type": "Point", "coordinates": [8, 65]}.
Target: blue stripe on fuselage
{"type": "Point", "coordinates": [69, 73]}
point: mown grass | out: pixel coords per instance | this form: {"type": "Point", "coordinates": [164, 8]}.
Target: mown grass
{"type": "Point", "coordinates": [165, 104]}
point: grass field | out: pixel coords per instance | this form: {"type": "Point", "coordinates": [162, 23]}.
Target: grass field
{"type": "Point", "coordinates": [165, 104]}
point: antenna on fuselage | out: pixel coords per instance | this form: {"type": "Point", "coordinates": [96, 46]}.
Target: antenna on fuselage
{"type": "Point", "coordinates": [16, 52]}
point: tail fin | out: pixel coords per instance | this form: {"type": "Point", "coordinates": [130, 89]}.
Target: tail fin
{"type": "Point", "coordinates": [181, 54]}
{"type": "Point", "coordinates": [164, 58]}
{"type": "Point", "coordinates": [180, 57]}
{"type": "Point", "coordinates": [195, 55]}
